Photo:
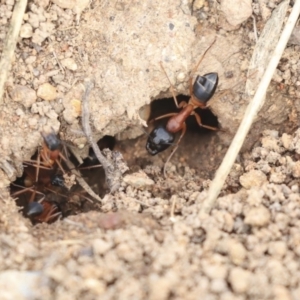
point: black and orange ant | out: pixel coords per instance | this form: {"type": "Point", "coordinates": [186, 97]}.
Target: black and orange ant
{"type": "Point", "coordinates": [47, 184]}
{"type": "Point", "coordinates": [41, 178]}
{"type": "Point", "coordinates": [43, 211]}
{"type": "Point", "coordinates": [201, 92]}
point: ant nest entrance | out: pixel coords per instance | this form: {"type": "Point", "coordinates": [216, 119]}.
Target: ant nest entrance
{"type": "Point", "coordinates": [52, 185]}
{"type": "Point", "coordinates": [198, 143]}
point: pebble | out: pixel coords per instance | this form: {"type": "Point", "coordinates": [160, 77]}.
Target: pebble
{"type": "Point", "coordinates": [253, 178]}
{"type": "Point", "coordinates": [65, 3]}
{"type": "Point", "coordinates": [198, 4]}
{"type": "Point", "coordinates": [20, 284]}
{"type": "Point", "coordinates": [281, 293]}
{"type": "Point", "coordinates": [236, 11]}
{"type": "Point", "coordinates": [214, 271]}
{"type": "Point", "coordinates": [287, 141]}
{"type": "Point", "coordinates": [138, 180]}
{"type": "Point", "coordinates": [47, 92]}
{"type": "Point", "coordinates": [296, 169]}
{"type": "Point", "coordinates": [100, 247]}
{"type": "Point", "coordinates": [218, 286]}
{"type": "Point", "coordinates": [26, 31]}
{"type": "Point", "coordinates": [237, 252]}
{"type": "Point", "coordinates": [239, 280]}
{"type": "Point", "coordinates": [257, 216]}
{"type": "Point", "coordinates": [23, 94]}
{"type": "Point", "coordinates": [277, 249]}
{"type": "Point", "coordinates": [69, 63]}
{"type": "Point", "coordinates": [95, 285]}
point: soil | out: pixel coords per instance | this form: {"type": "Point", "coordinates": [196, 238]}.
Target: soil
{"type": "Point", "coordinates": [148, 239]}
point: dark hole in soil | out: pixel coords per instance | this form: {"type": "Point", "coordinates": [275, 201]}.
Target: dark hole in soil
{"type": "Point", "coordinates": [196, 149]}
{"type": "Point", "coordinates": [47, 198]}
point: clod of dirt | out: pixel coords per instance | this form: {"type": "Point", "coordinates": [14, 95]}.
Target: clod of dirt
{"type": "Point", "coordinates": [47, 92]}
{"type": "Point", "coordinates": [253, 178]}
{"type": "Point", "coordinates": [138, 180]}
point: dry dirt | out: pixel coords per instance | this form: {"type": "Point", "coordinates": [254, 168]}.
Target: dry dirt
{"type": "Point", "coordinates": [132, 246]}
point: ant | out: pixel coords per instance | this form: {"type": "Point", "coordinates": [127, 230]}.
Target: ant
{"type": "Point", "coordinates": [201, 92]}
{"type": "Point", "coordinates": [43, 211]}
{"type": "Point", "coordinates": [49, 156]}
{"type": "Point", "coordinates": [37, 210]}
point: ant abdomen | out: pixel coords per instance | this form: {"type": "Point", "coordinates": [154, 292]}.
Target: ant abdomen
{"type": "Point", "coordinates": [159, 139]}
{"type": "Point", "coordinates": [34, 209]}
{"type": "Point", "coordinates": [205, 86]}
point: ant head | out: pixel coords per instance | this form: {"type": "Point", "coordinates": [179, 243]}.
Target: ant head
{"type": "Point", "coordinates": [58, 180]}
{"type": "Point", "coordinates": [52, 141]}
{"type": "Point", "coordinates": [159, 139]}
{"type": "Point", "coordinates": [205, 86]}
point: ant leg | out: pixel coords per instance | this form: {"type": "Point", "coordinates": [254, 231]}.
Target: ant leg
{"type": "Point", "coordinates": [38, 167]}
{"type": "Point", "coordinates": [60, 166]}
{"type": "Point", "coordinates": [162, 117]}
{"type": "Point", "coordinates": [198, 119]}
{"type": "Point", "coordinates": [33, 164]}
{"type": "Point", "coordinates": [51, 214]}
{"type": "Point", "coordinates": [90, 167]}
{"type": "Point", "coordinates": [24, 190]}
{"type": "Point", "coordinates": [197, 66]}
{"type": "Point", "coordinates": [175, 148]}
{"type": "Point", "coordinates": [171, 86]}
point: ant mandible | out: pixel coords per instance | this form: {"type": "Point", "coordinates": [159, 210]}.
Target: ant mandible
{"type": "Point", "coordinates": [201, 91]}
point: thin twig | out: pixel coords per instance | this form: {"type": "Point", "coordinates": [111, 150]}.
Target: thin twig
{"type": "Point", "coordinates": [113, 175]}
{"type": "Point", "coordinates": [81, 181]}
{"type": "Point", "coordinates": [250, 113]}
{"type": "Point", "coordinates": [172, 214]}
{"type": "Point", "coordinates": [11, 42]}
{"type": "Point", "coordinates": [254, 28]}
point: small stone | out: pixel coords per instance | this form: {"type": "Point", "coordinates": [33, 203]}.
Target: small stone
{"type": "Point", "coordinates": [32, 123]}
{"type": "Point", "coordinates": [236, 11]}
{"type": "Point", "coordinates": [198, 4]}
{"type": "Point", "coordinates": [277, 249]}
{"type": "Point", "coordinates": [23, 94]}
{"type": "Point", "coordinates": [214, 271]}
{"type": "Point", "coordinates": [237, 253]}
{"type": "Point", "coordinates": [281, 293]}
{"type": "Point", "coordinates": [296, 169]}
{"type": "Point", "coordinates": [257, 216]}
{"type": "Point", "coordinates": [69, 63]}
{"type": "Point", "coordinates": [239, 280]}
{"type": "Point", "coordinates": [253, 178]}
{"type": "Point", "coordinates": [26, 31]}
{"type": "Point", "coordinates": [181, 75]}
{"type": "Point", "coordinates": [47, 92]}
{"type": "Point", "coordinates": [277, 272]}
{"type": "Point", "coordinates": [65, 3]}
{"type": "Point", "coordinates": [138, 180]}
{"type": "Point", "coordinates": [76, 104]}
{"type": "Point", "coordinates": [100, 247]}
{"type": "Point", "coordinates": [95, 285]}
{"type": "Point", "coordinates": [218, 286]}
{"type": "Point", "coordinates": [20, 284]}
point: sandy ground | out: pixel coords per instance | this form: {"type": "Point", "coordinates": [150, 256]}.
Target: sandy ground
{"type": "Point", "coordinates": [132, 245]}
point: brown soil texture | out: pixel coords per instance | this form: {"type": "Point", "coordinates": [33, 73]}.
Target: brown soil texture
{"type": "Point", "coordinates": [148, 240]}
